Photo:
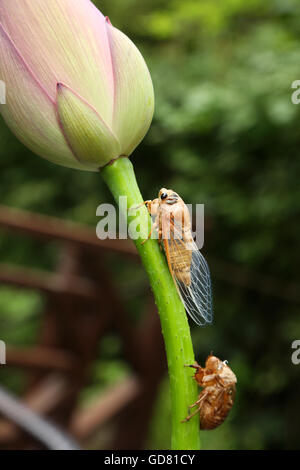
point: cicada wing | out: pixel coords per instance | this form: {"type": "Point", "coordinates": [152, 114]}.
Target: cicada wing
{"type": "Point", "coordinates": [196, 294]}
{"type": "Point", "coordinates": [197, 297]}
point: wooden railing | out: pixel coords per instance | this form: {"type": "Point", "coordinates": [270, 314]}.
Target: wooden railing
{"type": "Point", "coordinates": [82, 306]}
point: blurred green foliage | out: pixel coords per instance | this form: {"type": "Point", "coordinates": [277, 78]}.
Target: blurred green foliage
{"type": "Point", "coordinates": [225, 134]}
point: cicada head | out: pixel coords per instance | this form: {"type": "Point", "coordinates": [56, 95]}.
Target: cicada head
{"type": "Point", "coordinates": [214, 365]}
{"type": "Point", "coordinates": [168, 196]}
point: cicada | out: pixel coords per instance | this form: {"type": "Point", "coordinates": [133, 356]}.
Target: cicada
{"type": "Point", "coordinates": [186, 263]}
{"type": "Point", "coordinates": [217, 397]}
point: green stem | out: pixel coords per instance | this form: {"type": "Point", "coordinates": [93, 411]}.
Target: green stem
{"type": "Point", "coordinates": [120, 178]}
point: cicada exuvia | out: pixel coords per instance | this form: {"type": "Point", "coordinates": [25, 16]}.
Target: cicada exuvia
{"type": "Point", "coordinates": [218, 394]}
{"type": "Point", "coordinates": [186, 263]}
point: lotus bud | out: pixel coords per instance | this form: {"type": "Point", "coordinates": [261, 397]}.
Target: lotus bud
{"type": "Point", "coordinates": [78, 91]}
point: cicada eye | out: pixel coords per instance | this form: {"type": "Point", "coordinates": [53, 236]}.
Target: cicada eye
{"type": "Point", "coordinates": [163, 196]}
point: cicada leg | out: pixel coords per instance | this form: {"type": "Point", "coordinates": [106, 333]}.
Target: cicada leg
{"type": "Point", "coordinates": [194, 366]}
{"type": "Point", "coordinates": [197, 403]}
{"type": "Point", "coordinates": [135, 208]}
{"type": "Point", "coordinates": [185, 420]}
{"type": "Point", "coordinates": [211, 378]}
{"type": "Point", "coordinates": [153, 227]}
{"type": "Point", "coordinates": [160, 240]}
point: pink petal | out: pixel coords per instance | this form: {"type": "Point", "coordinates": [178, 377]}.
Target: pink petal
{"type": "Point", "coordinates": [134, 95]}
{"type": "Point", "coordinates": [29, 111]}
{"type": "Point", "coordinates": [64, 41]}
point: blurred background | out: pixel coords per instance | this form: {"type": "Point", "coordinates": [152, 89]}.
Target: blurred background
{"type": "Point", "coordinates": [227, 135]}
